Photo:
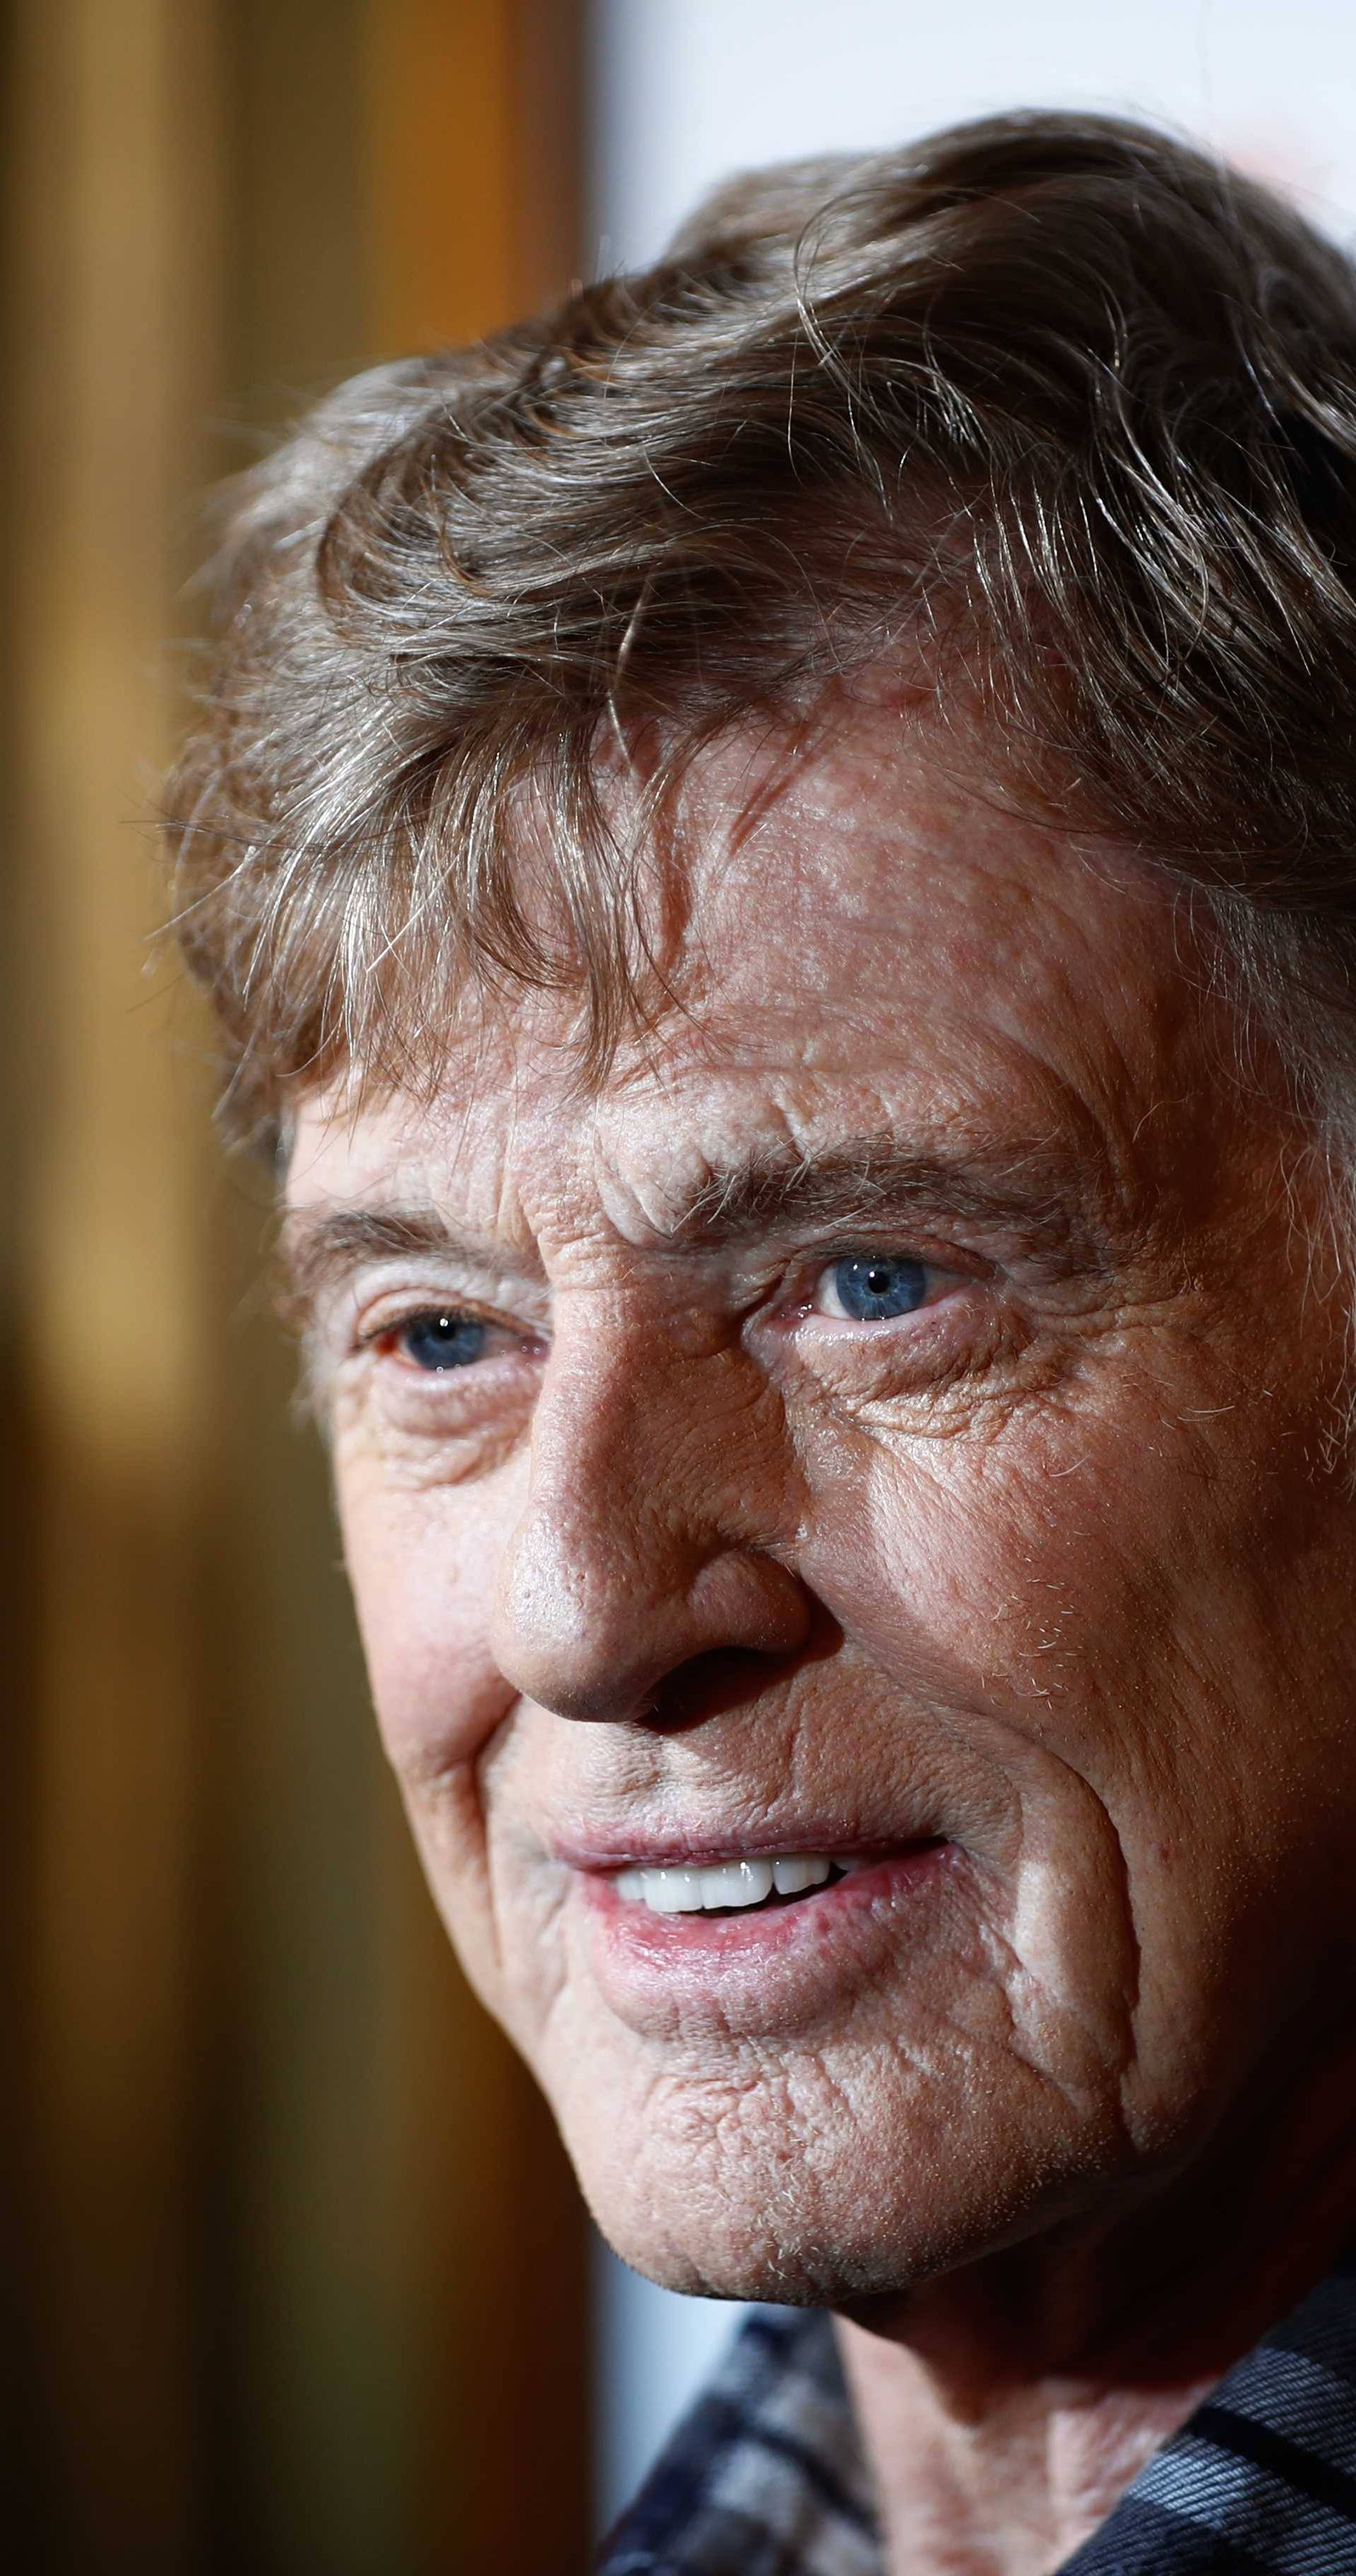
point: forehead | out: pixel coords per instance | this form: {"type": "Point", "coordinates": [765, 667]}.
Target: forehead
{"type": "Point", "coordinates": [865, 943]}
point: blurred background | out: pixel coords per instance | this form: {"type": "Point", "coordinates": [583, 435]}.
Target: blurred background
{"type": "Point", "coordinates": [298, 2280]}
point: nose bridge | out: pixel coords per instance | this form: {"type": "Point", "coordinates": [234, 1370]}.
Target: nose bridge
{"type": "Point", "coordinates": [593, 1489]}
{"type": "Point", "coordinates": [653, 1479]}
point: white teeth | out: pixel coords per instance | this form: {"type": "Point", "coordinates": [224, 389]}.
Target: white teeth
{"type": "Point", "coordinates": [791, 1877]}
{"type": "Point", "coordinates": [736, 1882]}
{"type": "Point", "coordinates": [725, 1884]}
{"type": "Point", "coordinates": [671, 1891]}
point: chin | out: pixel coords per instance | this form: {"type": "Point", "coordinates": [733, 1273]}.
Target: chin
{"type": "Point", "coordinates": [802, 2258]}
{"type": "Point", "coordinates": [751, 2198]}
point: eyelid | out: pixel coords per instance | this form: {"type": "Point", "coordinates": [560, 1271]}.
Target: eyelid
{"type": "Point", "coordinates": [464, 1308]}
{"type": "Point", "coordinates": [367, 1312]}
{"type": "Point", "coordinates": [376, 1308]}
{"type": "Point", "coordinates": [943, 1267]}
{"type": "Point", "coordinates": [819, 1310]}
{"type": "Point", "coordinates": [507, 1338]}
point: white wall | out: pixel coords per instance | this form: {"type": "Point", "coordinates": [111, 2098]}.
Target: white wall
{"type": "Point", "coordinates": [688, 90]}
{"type": "Point", "coordinates": [685, 91]}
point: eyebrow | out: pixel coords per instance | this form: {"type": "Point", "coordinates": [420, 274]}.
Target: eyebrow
{"type": "Point", "coordinates": [1026, 1190]}
{"type": "Point", "coordinates": [323, 1246]}
{"type": "Point", "coordinates": [1030, 1193]}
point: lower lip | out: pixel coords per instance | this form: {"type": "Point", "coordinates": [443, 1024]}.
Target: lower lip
{"type": "Point", "coordinates": [768, 1959]}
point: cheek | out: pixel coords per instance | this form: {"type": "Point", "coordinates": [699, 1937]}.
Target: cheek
{"type": "Point", "coordinates": [1094, 1577]}
{"type": "Point", "coordinates": [1098, 1607]}
{"type": "Point", "coordinates": [423, 1567]}
{"type": "Point", "coordinates": [982, 1581]}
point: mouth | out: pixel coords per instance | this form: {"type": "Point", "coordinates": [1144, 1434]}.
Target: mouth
{"type": "Point", "coordinates": [713, 1899]}
{"type": "Point", "coordinates": [737, 1886]}
{"type": "Point", "coordinates": [758, 1940]}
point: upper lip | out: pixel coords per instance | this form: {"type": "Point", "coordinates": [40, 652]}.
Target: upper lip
{"type": "Point", "coordinates": [703, 1849]}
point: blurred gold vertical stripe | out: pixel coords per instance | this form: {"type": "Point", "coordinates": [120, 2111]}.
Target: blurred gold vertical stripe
{"type": "Point", "coordinates": [297, 2266]}
{"type": "Point", "coordinates": [113, 178]}
{"type": "Point", "coordinates": [441, 249]}
{"type": "Point", "coordinates": [473, 163]}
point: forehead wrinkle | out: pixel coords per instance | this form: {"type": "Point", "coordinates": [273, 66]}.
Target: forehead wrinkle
{"type": "Point", "coordinates": [1048, 1188]}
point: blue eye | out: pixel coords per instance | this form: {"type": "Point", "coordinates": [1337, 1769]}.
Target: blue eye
{"type": "Point", "coordinates": [443, 1341]}
{"type": "Point", "coordinates": [871, 1292]}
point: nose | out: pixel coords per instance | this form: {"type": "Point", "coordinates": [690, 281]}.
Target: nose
{"type": "Point", "coordinates": [643, 1539]}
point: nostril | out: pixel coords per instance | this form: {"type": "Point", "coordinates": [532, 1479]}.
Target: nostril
{"type": "Point", "coordinates": [710, 1684]}
{"type": "Point", "coordinates": [617, 1615]}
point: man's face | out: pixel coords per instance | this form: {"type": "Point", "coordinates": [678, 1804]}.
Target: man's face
{"type": "Point", "coordinates": [891, 1425]}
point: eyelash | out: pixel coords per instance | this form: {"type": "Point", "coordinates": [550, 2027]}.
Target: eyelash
{"type": "Point", "coordinates": [390, 1331]}
{"type": "Point", "coordinates": [442, 1310]}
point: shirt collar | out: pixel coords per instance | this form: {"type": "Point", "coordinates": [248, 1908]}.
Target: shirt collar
{"type": "Point", "coordinates": [765, 2476]}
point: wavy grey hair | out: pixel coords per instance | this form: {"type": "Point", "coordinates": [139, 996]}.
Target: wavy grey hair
{"type": "Point", "coordinates": [1055, 397]}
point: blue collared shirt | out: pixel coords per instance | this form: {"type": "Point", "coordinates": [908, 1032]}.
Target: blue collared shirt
{"type": "Point", "coordinates": [765, 2476]}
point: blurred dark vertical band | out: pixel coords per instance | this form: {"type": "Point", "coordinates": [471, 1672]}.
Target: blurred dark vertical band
{"type": "Point", "coordinates": [294, 2265]}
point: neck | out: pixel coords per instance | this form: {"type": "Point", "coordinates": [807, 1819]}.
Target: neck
{"type": "Point", "coordinates": [1005, 2409]}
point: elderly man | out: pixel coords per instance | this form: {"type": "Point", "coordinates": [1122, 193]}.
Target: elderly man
{"type": "Point", "coordinates": [776, 851]}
